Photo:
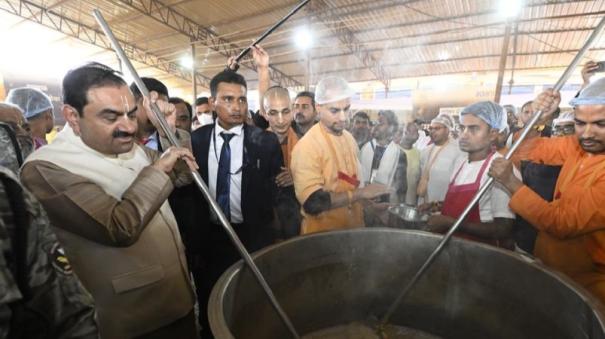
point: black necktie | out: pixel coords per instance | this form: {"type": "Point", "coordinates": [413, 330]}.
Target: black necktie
{"type": "Point", "coordinates": [223, 177]}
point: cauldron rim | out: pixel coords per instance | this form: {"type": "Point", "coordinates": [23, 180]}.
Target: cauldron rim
{"type": "Point", "coordinates": [217, 319]}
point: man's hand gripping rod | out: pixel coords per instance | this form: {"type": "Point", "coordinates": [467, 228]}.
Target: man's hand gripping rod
{"type": "Point", "coordinates": [267, 32]}
{"type": "Point", "coordinates": [196, 176]}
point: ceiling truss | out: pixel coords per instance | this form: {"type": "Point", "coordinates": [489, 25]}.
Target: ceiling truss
{"type": "Point", "coordinates": [199, 34]}
{"type": "Point", "coordinates": [88, 34]}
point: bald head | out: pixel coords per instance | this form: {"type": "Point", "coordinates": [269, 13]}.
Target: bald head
{"type": "Point", "coordinates": [275, 96]}
{"type": "Point", "coordinates": [276, 102]}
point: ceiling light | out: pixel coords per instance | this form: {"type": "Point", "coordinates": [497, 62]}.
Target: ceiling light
{"type": "Point", "coordinates": [187, 61]}
{"type": "Point", "coordinates": [510, 8]}
{"type": "Point", "coordinates": [303, 38]}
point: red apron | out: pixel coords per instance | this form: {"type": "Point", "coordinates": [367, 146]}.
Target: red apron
{"type": "Point", "coordinates": [457, 199]}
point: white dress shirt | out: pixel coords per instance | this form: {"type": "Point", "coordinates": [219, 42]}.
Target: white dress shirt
{"type": "Point", "coordinates": [237, 154]}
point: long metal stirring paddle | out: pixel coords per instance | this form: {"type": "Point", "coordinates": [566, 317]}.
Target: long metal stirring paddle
{"type": "Point", "coordinates": [196, 176]}
{"type": "Point", "coordinates": [489, 182]}
{"type": "Point", "coordinates": [270, 30]}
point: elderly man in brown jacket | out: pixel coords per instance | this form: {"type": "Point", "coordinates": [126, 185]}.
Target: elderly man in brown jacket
{"type": "Point", "coordinates": [106, 197]}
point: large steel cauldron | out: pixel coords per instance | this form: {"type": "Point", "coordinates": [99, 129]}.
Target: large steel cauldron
{"type": "Point", "coordinates": [471, 291]}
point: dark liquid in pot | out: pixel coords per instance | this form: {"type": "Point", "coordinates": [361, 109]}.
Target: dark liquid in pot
{"type": "Point", "coordinates": [358, 330]}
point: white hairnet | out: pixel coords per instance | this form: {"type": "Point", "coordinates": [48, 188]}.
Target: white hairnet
{"type": "Point", "coordinates": [490, 112]}
{"type": "Point", "coordinates": [444, 120]}
{"type": "Point", "coordinates": [510, 109]}
{"type": "Point", "coordinates": [331, 89]}
{"type": "Point", "coordinates": [594, 94]}
{"type": "Point", "coordinates": [32, 101]}
{"type": "Point", "coordinates": [564, 117]}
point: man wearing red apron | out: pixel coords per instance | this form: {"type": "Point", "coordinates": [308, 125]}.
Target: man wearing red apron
{"type": "Point", "coordinates": [490, 221]}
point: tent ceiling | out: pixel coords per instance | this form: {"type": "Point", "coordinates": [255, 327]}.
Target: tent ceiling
{"type": "Point", "coordinates": [358, 39]}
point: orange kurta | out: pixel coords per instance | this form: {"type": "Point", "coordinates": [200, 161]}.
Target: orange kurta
{"type": "Point", "coordinates": [316, 161]}
{"type": "Point", "coordinates": [288, 147]}
{"type": "Point", "coordinates": [572, 227]}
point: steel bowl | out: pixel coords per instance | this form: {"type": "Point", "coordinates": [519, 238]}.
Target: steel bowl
{"type": "Point", "coordinates": [408, 213]}
{"type": "Point", "coordinates": [406, 217]}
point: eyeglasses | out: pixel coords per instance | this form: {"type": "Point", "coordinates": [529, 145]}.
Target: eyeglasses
{"type": "Point", "coordinates": [565, 129]}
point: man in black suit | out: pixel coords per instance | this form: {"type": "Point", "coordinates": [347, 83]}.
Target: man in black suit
{"type": "Point", "coordinates": [239, 163]}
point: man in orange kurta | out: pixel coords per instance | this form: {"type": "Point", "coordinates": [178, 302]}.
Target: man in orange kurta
{"type": "Point", "coordinates": [325, 167]}
{"type": "Point", "coordinates": [571, 227]}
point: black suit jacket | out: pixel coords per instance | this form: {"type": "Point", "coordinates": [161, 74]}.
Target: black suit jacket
{"type": "Point", "coordinates": [262, 160]}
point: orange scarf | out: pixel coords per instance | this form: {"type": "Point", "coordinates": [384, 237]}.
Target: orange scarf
{"type": "Point", "coordinates": [288, 146]}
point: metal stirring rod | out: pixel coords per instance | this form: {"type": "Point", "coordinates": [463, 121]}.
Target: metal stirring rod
{"type": "Point", "coordinates": [562, 80]}
{"type": "Point", "coordinates": [270, 30]}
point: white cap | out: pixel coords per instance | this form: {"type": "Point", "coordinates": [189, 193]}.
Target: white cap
{"type": "Point", "coordinates": [32, 101]}
{"type": "Point", "coordinates": [331, 89]}
{"type": "Point", "coordinates": [564, 117]}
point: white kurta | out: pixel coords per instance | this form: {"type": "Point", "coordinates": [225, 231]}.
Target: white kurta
{"type": "Point", "coordinates": [413, 175]}
{"type": "Point", "coordinates": [441, 169]}
{"type": "Point", "coordinates": [423, 142]}
{"type": "Point", "coordinates": [387, 167]}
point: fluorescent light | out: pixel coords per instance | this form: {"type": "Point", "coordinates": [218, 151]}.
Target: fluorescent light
{"type": "Point", "coordinates": [303, 38]}
{"type": "Point", "coordinates": [510, 8]}
{"type": "Point", "coordinates": [187, 61]}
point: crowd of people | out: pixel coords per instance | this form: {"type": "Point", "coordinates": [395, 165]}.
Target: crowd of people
{"type": "Point", "coordinates": [105, 227]}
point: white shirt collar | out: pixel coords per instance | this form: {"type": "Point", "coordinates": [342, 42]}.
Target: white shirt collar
{"type": "Point", "coordinates": [237, 130]}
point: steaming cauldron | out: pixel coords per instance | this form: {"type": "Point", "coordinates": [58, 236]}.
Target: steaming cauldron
{"type": "Point", "coordinates": [471, 291]}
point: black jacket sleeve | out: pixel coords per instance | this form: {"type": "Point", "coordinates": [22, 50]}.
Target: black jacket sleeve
{"type": "Point", "coordinates": [317, 202]}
